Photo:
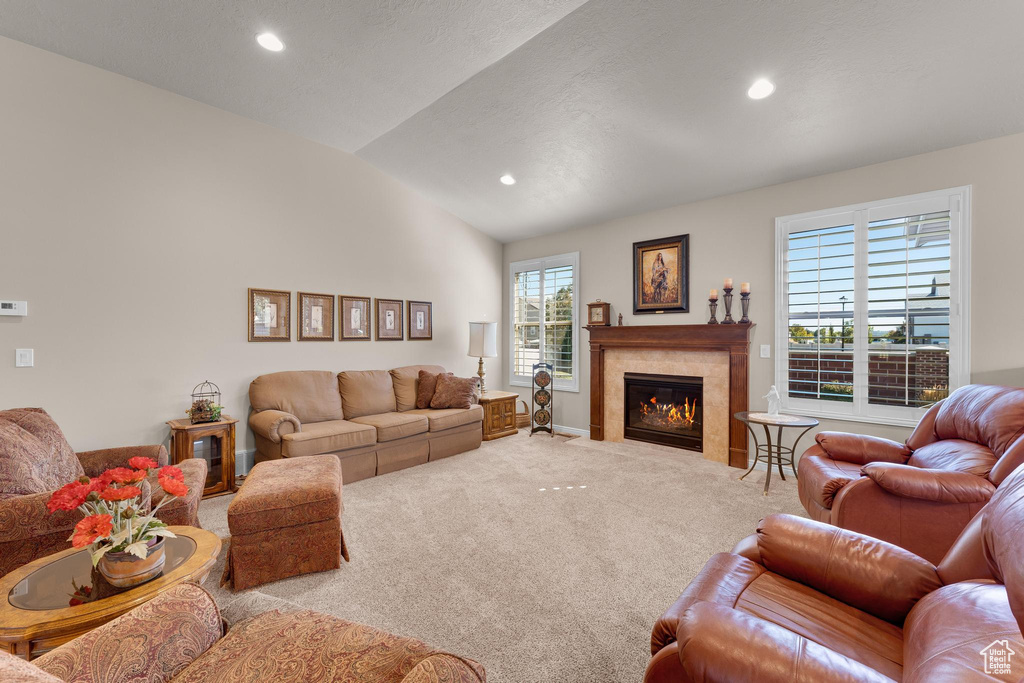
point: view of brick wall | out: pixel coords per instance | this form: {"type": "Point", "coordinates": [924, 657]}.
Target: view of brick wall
{"type": "Point", "coordinates": [925, 372]}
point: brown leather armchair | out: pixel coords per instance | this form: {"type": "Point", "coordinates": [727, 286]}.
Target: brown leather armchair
{"type": "Point", "coordinates": [922, 493]}
{"type": "Point", "coordinates": [36, 459]}
{"type": "Point", "coordinates": [806, 601]}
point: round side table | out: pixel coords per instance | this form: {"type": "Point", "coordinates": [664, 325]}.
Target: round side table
{"type": "Point", "coordinates": [774, 452]}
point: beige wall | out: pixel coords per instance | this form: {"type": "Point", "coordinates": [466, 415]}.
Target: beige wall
{"type": "Point", "coordinates": [733, 236]}
{"type": "Point", "coordinates": [133, 220]}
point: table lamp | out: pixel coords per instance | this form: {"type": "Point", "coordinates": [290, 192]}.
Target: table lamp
{"type": "Point", "coordinates": [483, 343]}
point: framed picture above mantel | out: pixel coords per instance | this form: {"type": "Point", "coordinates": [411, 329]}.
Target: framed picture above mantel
{"type": "Point", "coordinates": [661, 275]}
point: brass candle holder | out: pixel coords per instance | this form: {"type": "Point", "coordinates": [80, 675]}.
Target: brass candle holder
{"type": "Point", "coordinates": [745, 305]}
{"type": "Point", "coordinates": [728, 306]}
{"type": "Point", "coordinates": [713, 303]}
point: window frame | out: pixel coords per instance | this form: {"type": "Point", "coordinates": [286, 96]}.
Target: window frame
{"type": "Point", "coordinates": [957, 201]}
{"type": "Point", "coordinates": [542, 264]}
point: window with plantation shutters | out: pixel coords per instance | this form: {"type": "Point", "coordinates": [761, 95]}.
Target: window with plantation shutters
{"type": "Point", "coordinates": [543, 319]}
{"type": "Point", "coordinates": [869, 322]}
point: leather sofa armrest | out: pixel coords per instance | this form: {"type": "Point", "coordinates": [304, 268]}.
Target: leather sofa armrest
{"type": "Point", "coordinates": [861, 449]}
{"type": "Point", "coordinates": [97, 462]}
{"type": "Point", "coordinates": [718, 643]}
{"type": "Point", "coordinates": [874, 576]}
{"type": "Point", "coordinates": [939, 486]}
{"type": "Point", "coordinates": [273, 424]}
{"type": "Point", "coordinates": [747, 547]}
{"type": "Point", "coordinates": [168, 633]}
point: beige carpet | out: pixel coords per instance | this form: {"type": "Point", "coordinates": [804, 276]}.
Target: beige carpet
{"type": "Point", "coordinates": [469, 554]}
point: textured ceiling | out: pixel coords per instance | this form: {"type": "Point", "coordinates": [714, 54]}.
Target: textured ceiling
{"type": "Point", "coordinates": [600, 109]}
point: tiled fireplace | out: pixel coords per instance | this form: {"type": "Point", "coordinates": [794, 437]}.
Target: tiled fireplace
{"type": "Point", "coordinates": [680, 356]}
{"type": "Point", "coordinates": [664, 409]}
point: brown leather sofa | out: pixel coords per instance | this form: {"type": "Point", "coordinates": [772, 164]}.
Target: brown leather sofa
{"type": "Point", "coordinates": [36, 460]}
{"type": "Point", "coordinates": [922, 493]}
{"type": "Point", "coordinates": [806, 601]}
{"type": "Point", "coordinates": [368, 418]}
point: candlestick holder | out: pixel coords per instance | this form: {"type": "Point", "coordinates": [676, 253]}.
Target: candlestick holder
{"type": "Point", "coordinates": [745, 305]}
{"type": "Point", "coordinates": [728, 306]}
{"type": "Point", "coordinates": [713, 303]}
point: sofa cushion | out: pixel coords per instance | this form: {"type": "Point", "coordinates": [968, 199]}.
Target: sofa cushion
{"type": "Point", "coordinates": [955, 455]}
{"type": "Point", "coordinates": [327, 437]}
{"type": "Point", "coordinates": [985, 414]}
{"type": "Point", "coordinates": [391, 426]}
{"type": "Point", "coordinates": [446, 418]}
{"type": "Point", "coordinates": [311, 646]}
{"type": "Point", "coordinates": [287, 493]}
{"type": "Point", "coordinates": [366, 392]}
{"type": "Point", "coordinates": [310, 395]}
{"type": "Point", "coordinates": [427, 387]}
{"type": "Point", "coordinates": [454, 392]}
{"type": "Point", "coordinates": [821, 478]}
{"type": "Point", "coordinates": [406, 381]}
{"type": "Point", "coordinates": [34, 455]}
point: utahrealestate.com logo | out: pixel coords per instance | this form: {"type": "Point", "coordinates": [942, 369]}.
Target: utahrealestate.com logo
{"type": "Point", "coordinates": [997, 657]}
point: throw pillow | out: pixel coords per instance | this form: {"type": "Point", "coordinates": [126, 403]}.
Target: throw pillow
{"type": "Point", "coordinates": [36, 456]}
{"type": "Point", "coordinates": [426, 386]}
{"type": "Point", "coordinates": [454, 392]}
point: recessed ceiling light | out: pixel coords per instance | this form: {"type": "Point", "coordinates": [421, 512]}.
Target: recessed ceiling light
{"type": "Point", "coordinates": [270, 42]}
{"type": "Point", "coordinates": [507, 180]}
{"type": "Point", "coordinates": [761, 89]}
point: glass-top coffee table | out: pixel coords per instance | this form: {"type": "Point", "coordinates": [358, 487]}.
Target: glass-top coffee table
{"type": "Point", "coordinates": [36, 614]}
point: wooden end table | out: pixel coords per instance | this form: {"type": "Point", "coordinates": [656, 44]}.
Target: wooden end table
{"type": "Point", "coordinates": [34, 613]}
{"type": "Point", "coordinates": [499, 414]}
{"type": "Point", "coordinates": [214, 442]}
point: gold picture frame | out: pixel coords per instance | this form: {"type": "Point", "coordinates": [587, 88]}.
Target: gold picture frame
{"type": "Point", "coordinates": [421, 320]}
{"type": "Point", "coordinates": [388, 319]}
{"type": "Point", "coordinates": [269, 312]}
{"type": "Point", "coordinates": [353, 318]}
{"type": "Point", "coordinates": [661, 275]}
{"type": "Point", "coordinates": [316, 316]}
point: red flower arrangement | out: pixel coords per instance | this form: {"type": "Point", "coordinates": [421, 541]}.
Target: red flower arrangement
{"type": "Point", "coordinates": [111, 504]}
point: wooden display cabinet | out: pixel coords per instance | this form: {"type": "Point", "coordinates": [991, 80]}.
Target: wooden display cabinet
{"type": "Point", "coordinates": [499, 414]}
{"type": "Point", "coordinates": [214, 442]}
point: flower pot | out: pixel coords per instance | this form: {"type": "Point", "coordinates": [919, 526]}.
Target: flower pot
{"type": "Point", "coordinates": [125, 570]}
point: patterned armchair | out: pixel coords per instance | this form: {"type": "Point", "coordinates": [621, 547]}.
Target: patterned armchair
{"type": "Point", "coordinates": [36, 460]}
{"type": "Point", "coordinates": [178, 636]}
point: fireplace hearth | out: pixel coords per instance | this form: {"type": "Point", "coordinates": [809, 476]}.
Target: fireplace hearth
{"type": "Point", "coordinates": [664, 409]}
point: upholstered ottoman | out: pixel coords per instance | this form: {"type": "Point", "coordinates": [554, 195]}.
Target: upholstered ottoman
{"type": "Point", "coordinates": [285, 521]}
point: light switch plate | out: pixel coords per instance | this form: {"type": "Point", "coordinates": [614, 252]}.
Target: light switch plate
{"type": "Point", "coordinates": [766, 350]}
{"type": "Point", "coordinates": [24, 358]}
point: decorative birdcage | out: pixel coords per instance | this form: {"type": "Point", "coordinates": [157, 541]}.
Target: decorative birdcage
{"type": "Point", "coordinates": [206, 405]}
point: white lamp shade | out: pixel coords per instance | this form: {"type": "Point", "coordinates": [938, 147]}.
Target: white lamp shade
{"type": "Point", "coordinates": [483, 340]}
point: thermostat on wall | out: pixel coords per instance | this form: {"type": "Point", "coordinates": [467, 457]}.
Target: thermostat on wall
{"type": "Point", "coordinates": [13, 308]}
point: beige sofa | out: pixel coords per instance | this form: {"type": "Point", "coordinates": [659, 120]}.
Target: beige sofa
{"type": "Point", "coordinates": [368, 418]}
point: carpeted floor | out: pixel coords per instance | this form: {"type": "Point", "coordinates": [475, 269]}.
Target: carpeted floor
{"type": "Point", "coordinates": [544, 559]}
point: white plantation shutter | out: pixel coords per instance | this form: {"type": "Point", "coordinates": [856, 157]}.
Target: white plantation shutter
{"type": "Point", "coordinates": [869, 318]}
{"type": "Point", "coordinates": [544, 314]}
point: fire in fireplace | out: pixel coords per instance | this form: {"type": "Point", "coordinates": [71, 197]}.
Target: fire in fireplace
{"type": "Point", "coordinates": [664, 409]}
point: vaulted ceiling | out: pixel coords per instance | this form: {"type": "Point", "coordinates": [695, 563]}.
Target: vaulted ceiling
{"type": "Point", "coordinates": [599, 108]}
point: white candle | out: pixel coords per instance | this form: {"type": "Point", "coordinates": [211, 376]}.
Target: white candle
{"type": "Point", "coordinates": [714, 295]}
{"type": "Point", "coordinates": [744, 288]}
{"type": "Point", "coordinates": [728, 283]}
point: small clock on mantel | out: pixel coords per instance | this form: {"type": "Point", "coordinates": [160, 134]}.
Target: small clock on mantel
{"type": "Point", "coordinates": [599, 313]}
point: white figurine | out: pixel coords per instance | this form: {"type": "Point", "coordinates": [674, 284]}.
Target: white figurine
{"type": "Point", "coordinates": [774, 401]}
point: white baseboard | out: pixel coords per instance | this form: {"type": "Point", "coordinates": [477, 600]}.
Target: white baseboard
{"type": "Point", "coordinates": [572, 430]}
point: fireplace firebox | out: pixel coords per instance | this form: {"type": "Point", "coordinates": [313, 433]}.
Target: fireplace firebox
{"type": "Point", "coordinates": [664, 409]}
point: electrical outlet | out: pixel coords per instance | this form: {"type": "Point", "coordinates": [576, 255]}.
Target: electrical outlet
{"type": "Point", "coordinates": [24, 358]}
{"type": "Point", "coordinates": [766, 350]}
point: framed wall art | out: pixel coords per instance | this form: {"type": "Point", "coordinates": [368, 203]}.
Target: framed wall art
{"type": "Point", "coordinates": [389, 319]}
{"type": "Point", "coordinates": [269, 312]}
{"type": "Point", "coordinates": [661, 275]}
{"type": "Point", "coordinates": [316, 316]}
{"type": "Point", "coordinates": [421, 324]}
{"type": "Point", "coordinates": [353, 318]}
